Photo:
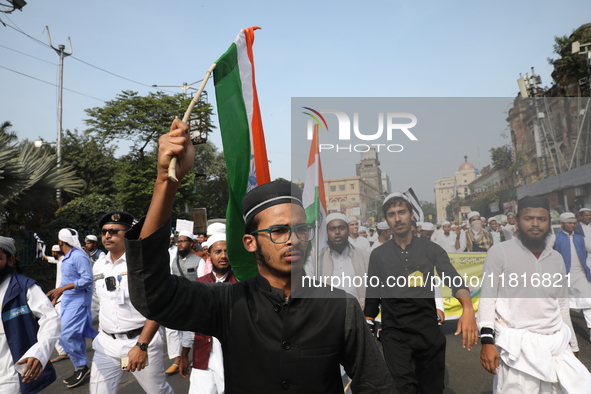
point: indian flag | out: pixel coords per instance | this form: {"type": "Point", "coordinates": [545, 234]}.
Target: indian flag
{"type": "Point", "coordinates": [314, 198]}
{"type": "Point", "coordinates": [243, 141]}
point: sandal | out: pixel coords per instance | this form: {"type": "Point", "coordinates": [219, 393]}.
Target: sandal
{"type": "Point", "coordinates": [59, 358]}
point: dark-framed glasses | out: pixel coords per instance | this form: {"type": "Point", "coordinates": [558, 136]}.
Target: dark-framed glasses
{"type": "Point", "coordinates": [281, 234]}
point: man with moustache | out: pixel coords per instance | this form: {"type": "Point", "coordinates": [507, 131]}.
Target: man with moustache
{"type": "Point", "coordinates": [276, 333]}
{"type": "Point", "coordinates": [339, 258]}
{"type": "Point", "coordinates": [495, 232]}
{"type": "Point", "coordinates": [414, 346]}
{"type": "Point", "coordinates": [525, 327]}
{"type": "Point", "coordinates": [124, 332]}
{"type": "Point", "coordinates": [207, 374]}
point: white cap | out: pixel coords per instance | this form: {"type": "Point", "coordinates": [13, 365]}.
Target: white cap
{"type": "Point", "coordinates": [568, 217]}
{"type": "Point", "coordinates": [55, 248]}
{"type": "Point", "coordinates": [216, 238]}
{"type": "Point", "coordinates": [362, 228]}
{"type": "Point", "coordinates": [472, 214]}
{"type": "Point", "coordinates": [383, 225]}
{"type": "Point", "coordinates": [584, 210]}
{"type": "Point", "coordinates": [186, 233]}
{"type": "Point", "coordinates": [444, 223]}
{"type": "Point", "coordinates": [216, 228]}
{"type": "Point", "coordinates": [351, 219]}
{"type": "Point", "coordinates": [428, 226]}
{"type": "Point", "coordinates": [69, 236]}
{"type": "Point", "coordinates": [91, 238]}
{"type": "Point", "coordinates": [336, 215]}
{"type": "Point", "coordinates": [491, 219]}
{"type": "Point", "coordinates": [204, 244]}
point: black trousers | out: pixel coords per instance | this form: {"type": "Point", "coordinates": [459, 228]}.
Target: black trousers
{"type": "Point", "coordinates": [416, 361]}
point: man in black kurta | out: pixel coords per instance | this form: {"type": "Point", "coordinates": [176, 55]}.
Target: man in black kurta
{"type": "Point", "coordinates": [275, 336]}
{"type": "Point", "coordinates": [414, 346]}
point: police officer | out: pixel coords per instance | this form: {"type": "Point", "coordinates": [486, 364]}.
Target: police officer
{"type": "Point", "coordinates": [126, 341]}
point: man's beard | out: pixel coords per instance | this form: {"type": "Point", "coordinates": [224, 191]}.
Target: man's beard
{"type": "Point", "coordinates": [5, 272]}
{"type": "Point", "coordinates": [533, 243]}
{"type": "Point", "coordinates": [338, 247]}
{"type": "Point", "coordinates": [262, 260]}
{"type": "Point", "coordinates": [221, 271]}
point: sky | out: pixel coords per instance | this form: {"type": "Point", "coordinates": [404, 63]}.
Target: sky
{"type": "Point", "coordinates": [418, 49]}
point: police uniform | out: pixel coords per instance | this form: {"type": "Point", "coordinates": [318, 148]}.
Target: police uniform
{"type": "Point", "coordinates": [120, 325]}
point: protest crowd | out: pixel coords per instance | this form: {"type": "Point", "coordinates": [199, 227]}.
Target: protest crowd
{"type": "Point", "coordinates": [274, 332]}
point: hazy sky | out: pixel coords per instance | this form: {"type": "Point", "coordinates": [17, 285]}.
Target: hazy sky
{"type": "Point", "coordinates": [304, 49]}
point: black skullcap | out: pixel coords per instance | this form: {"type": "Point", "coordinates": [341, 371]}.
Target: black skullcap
{"type": "Point", "coordinates": [533, 202]}
{"type": "Point", "coordinates": [117, 217]}
{"type": "Point", "coordinates": [268, 195]}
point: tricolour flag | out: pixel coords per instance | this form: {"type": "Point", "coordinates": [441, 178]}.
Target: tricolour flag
{"type": "Point", "coordinates": [314, 198]}
{"type": "Point", "coordinates": [243, 141]}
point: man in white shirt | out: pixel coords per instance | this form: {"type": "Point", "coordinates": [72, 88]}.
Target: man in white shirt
{"type": "Point", "coordinates": [451, 241]}
{"type": "Point", "coordinates": [340, 258]}
{"type": "Point", "coordinates": [354, 238]}
{"type": "Point", "coordinates": [373, 236]}
{"type": "Point", "coordinates": [56, 258]}
{"type": "Point", "coordinates": [384, 235]}
{"type": "Point", "coordinates": [584, 226]}
{"type": "Point", "coordinates": [525, 327]}
{"type": "Point", "coordinates": [126, 340]}
{"type": "Point", "coordinates": [510, 228]}
{"type": "Point", "coordinates": [29, 329]}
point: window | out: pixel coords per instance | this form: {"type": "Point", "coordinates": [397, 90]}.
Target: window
{"type": "Point", "coordinates": [341, 187]}
{"type": "Point", "coordinates": [352, 186]}
{"type": "Point", "coordinates": [333, 188]}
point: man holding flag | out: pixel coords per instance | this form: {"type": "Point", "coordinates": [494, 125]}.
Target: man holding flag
{"type": "Point", "coordinates": [272, 339]}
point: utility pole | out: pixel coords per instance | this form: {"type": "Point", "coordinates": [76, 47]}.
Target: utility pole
{"type": "Point", "coordinates": [62, 54]}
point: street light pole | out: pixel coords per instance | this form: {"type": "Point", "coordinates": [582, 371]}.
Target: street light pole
{"type": "Point", "coordinates": [62, 54]}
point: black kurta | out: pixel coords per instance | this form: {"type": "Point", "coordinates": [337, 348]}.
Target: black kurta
{"type": "Point", "coordinates": [270, 344]}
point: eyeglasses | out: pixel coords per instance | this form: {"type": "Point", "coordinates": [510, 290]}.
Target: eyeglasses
{"type": "Point", "coordinates": [281, 234]}
{"type": "Point", "coordinates": [111, 231]}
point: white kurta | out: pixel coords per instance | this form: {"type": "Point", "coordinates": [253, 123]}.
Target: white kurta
{"type": "Point", "coordinates": [360, 242]}
{"type": "Point", "coordinates": [48, 334]}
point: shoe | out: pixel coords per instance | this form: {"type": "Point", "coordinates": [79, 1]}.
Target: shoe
{"type": "Point", "coordinates": [78, 377]}
{"type": "Point", "coordinates": [59, 358]}
{"type": "Point", "coordinates": [174, 368]}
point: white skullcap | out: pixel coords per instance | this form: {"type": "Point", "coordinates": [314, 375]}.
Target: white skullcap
{"type": "Point", "coordinates": [419, 224]}
{"type": "Point", "coordinates": [204, 244]}
{"type": "Point", "coordinates": [491, 219]}
{"type": "Point", "coordinates": [464, 223]}
{"type": "Point", "coordinates": [216, 228]}
{"type": "Point", "coordinates": [428, 226]}
{"type": "Point", "coordinates": [336, 215]}
{"type": "Point", "coordinates": [472, 214]}
{"type": "Point", "coordinates": [186, 233]}
{"type": "Point", "coordinates": [584, 210]}
{"type": "Point", "coordinates": [69, 236]}
{"type": "Point", "coordinates": [395, 194]}
{"type": "Point", "coordinates": [55, 248]}
{"type": "Point", "coordinates": [453, 226]}
{"type": "Point", "coordinates": [91, 238]}
{"type": "Point", "coordinates": [444, 223]}
{"type": "Point", "coordinates": [362, 228]}
{"type": "Point", "coordinates": [568, 217]}
{"type": "Point", "coordinates": [216, 238]}
{"type": "Point", "coordinates": [383, 226]}
{"type": "Point", "coordinates": [195, 237]}
{"type": "Point", "coordinates": [351, 219]}
{"type": "Point", "coordinates": [8, 245]}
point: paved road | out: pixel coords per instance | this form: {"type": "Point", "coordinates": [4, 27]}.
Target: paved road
{"type": "Point", "coordinates": [463, 374]}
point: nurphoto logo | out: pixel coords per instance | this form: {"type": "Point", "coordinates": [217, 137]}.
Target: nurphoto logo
{"type": "Point", "coordinates": [393, 123]}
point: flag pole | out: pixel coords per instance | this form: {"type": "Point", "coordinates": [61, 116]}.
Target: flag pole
{"type": "Point", "coordinates": [172, 165]}
{"type": "Point", "coordinates": [317, 140]}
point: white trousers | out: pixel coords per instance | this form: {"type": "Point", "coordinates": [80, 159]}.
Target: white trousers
{"type": "Point", "coordinates": [173, 343]}
{"type": "Point", "coordinates": [106, 372]}
{"type": "Point", "coordinates": [210, 381]}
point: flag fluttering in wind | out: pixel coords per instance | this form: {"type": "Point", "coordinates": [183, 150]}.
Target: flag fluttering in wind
{"type": "Point", "coordinates": [314, 198]}
{"type": "Point", "coordinates": [39, 247]}
{"type": "Point", "coordinates": [243, 141]}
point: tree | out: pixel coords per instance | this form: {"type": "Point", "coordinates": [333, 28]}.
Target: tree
{"type": "Point", "coordinates": [29, 178]}
{"type": "Point", "coordinates": [570, 67]}
{"type": "Point", "coordinates": [93, 159]}
{"type": "Point", "coordinates": [501, 157]}
{"type": "Point", "coordinates": [142, 119]}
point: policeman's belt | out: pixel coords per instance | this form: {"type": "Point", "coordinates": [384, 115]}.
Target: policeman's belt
{"type": "Point", "coordinates": [130, 334]}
